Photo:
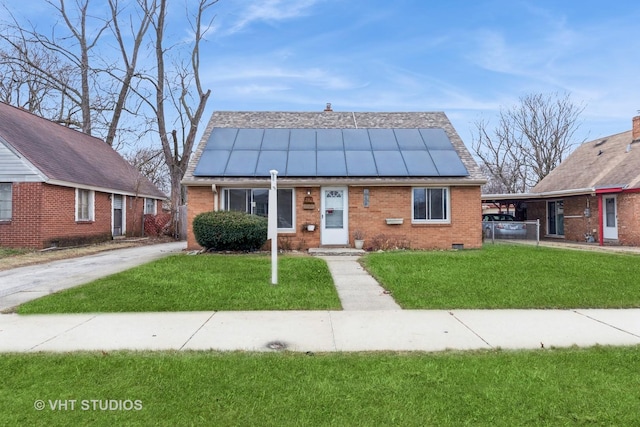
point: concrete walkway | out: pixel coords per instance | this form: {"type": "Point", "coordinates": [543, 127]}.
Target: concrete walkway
{"type": "Point", "coordinates": [356, 288]}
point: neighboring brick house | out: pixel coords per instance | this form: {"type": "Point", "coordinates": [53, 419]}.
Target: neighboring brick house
{"type": "Point", "coordinates": [403, 179]}
{"type": "Point", "coordinates": [593, 195]}
{"type": "Point", "coordinates": [60, 187]}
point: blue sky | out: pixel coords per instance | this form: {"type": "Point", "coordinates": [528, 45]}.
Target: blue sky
{"type": "Point", "coordinates": [466, 58]}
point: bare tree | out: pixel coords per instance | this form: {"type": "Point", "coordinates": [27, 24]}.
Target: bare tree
{"type": "Point", "coordinates": [93, 87]}
{"type": "Point", "coordinates": [150, 162]}
{"type": "Point", "coordinates": [172, 92]}
{"type": "Point", "coordinates": [530, 140]}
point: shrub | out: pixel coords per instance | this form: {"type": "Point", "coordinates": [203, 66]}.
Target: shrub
{"type": "Point", "coordinates": [230, 231]}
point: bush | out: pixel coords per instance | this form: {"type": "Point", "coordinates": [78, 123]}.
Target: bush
{"type": "Point", "coordinates": [230, 231]}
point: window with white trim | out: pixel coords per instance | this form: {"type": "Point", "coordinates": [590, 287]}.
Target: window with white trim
{"type": "Point", "coordinates": [256, 201]}
{"type": "Point", "coordinates": [84, 205]}
{"type": "Point", "coordinates": [6, 201]}
{"type": "Point", "coordinates": [150, 206]}
{"type": "Point", "coordinates": [430, 205]}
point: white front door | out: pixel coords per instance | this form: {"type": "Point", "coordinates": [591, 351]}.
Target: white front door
{"type": "Point", "coordinates": [610, 229]}
{"type": "Point", "coordinates": [334, 216]}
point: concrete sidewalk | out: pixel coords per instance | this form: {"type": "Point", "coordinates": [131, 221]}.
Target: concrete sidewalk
{"type": "Point", "coordinates": [321, 331]}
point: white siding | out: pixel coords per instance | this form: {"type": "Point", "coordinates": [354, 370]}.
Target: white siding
{"type": "Point", "coordinates": [14, 168]}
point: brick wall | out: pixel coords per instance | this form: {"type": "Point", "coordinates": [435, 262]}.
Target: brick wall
{"type": "Point", "coordinates": [199, 199]}
{"type": "Point", "coordinates": [44, 213]}
{"type": "Point", "coordinates": [58, 216]}
{"type": "Point", "coordinates": [629, 219]}
{"type": "Point", "coordinates": [384, 202]}
{"type": "Point", "coordinates": [577, 224]}
{"type": "Point", "coordinates": [24, 228]}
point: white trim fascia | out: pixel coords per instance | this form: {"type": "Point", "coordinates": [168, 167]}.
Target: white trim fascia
{"type": "Point", "coordinates": [544, 195]}
{"type": "Point", "coordinates": [324, 182]}
{"type": "Point", "coordinates": [99, 189]}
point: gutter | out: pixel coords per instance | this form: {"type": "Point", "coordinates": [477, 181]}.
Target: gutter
{"type": "Point", "coordinates": [305, 182]}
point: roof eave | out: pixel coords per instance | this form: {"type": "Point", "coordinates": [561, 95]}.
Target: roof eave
{"type": "Point", "coordinates": [310, 182]}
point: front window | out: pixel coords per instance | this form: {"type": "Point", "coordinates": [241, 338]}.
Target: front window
{"type": "Point", "coordinates": [431, 205]}
{"type": "Point", "coordinates": [6, 197]}
{"type": "Point", "coordinates": [256, 201]}
{"type": "Point", "coordinates": [84, 205]}
{"type": "Point", "coordinates": [149, 206]}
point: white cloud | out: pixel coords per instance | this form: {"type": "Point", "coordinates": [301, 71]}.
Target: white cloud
{"type": "Point", "coordinates": [270, 11]}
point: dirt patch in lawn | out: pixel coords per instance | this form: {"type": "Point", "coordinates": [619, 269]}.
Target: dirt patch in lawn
{"type": "Point", "coordinates": [48, 255]}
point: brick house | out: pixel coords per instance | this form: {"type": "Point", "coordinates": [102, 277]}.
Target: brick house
{"type": "Point", "coordinates": [402, 179]}
{"type": "Point", "coordinates": [60, 187]}
{"type": "Point", "coordinates": [593, 195]}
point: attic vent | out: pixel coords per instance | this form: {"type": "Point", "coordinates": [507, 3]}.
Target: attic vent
{"type": "Point", "coordinates": [599, 143]}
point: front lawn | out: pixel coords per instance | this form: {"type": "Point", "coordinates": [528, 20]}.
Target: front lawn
{"type": "Point", "coordinates": [597, 386]}
{"type": "Point", "coordinates": [201, 283]}
{"type": "Point", "coordinates": [508, 276]}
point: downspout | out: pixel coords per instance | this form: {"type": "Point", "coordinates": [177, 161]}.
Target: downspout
{"type": "Point", "coordinates": [600, 221]}
{"type": "Point", "coordinates": [215, 197]}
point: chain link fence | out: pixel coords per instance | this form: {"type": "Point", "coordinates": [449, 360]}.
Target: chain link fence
{"type": "Point", "coordinates": [493, 231]}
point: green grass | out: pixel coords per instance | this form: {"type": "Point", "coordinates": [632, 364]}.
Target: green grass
{"type": "Point", "coordinates": [201, 283]}
{"type": "Point", "coordinates": [508, 276]}
{"type": "Point", "coordinates": [548, 387]}
{"type": "Point", "coordinates": [8, 252]}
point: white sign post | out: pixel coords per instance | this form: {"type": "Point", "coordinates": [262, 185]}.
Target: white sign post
{"type": "Point", "coordinates": [272, 231]}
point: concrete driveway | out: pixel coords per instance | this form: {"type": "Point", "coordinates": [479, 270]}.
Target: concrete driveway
{"type": "Point", "coordinates": [23, 284]}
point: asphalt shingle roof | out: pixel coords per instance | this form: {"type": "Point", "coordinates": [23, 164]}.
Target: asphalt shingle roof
{"type": "Point", "coordinates": [610, 162]}
{"type": "Point", "coordinates": [224, 126]}
{"type": "Point", "coordinates": [69, 156]}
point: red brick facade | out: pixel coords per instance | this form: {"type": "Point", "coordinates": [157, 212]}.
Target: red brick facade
{"type": "Point", "coordinates": [581, 218]}
{"type": "Point", "coordinates": [43, 215]}
{"type": "Point", "coordinates": [464, 229]}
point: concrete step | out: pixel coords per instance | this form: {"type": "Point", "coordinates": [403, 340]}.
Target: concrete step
{"type": "Point", "coordinates": [334, 251]}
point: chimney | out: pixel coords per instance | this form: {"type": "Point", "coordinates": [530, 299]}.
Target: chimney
{"type": "Point", "coordinates": [635, 133]}
{"type": "Point", "coordinates": [328, 108]}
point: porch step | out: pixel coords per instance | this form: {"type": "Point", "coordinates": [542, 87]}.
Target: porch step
{"type": "Point", "coordinates": [334, 251]}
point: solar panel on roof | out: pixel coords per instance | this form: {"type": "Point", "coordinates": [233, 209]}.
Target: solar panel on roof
{"type": "Point", "coordinates": [276, 139]}
{"type": "Point", "coordinates": [221, 138]}
{"type": "Point", "coordinates": [302, 139]}
{"type": "Point", "coordinates": [300, 163]}
{"type": "Point", "coordinates": [436, 139]}
{"type": "Point", "coordinates": [356, 139]}
{"type": "Point", "coordinates": [419, 163]}
{"type": "Point", "coordinates": [329, 139]}
{"type": "Point", "coordinates": [409, 139]}
{"type": "Point", "coordinates": [242, 163]}
{"type": "Point", "coordinates": [271, 159]}
{"type": "Point", "coordinates": [383, 139]}
{"type": "Point", "coordinates": [212, 163]}
{"type": "Point", "coordinates": [448, 163]}
{"type": "Point", "coordinates": [248, 139]}
{"type": "Point", "coordinates": [390, 163]}
{"type": "Point", "coordinates": [360, 163]}
{"type": "Point", "coordinates": [329, 152]}
{"type": "Point", "coordinates": [331, 163]}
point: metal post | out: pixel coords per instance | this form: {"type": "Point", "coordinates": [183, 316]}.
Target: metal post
{"type": "Point", "coordinates": [272, 230]}
{"type": "Point", "coordinates": [538, 232]}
